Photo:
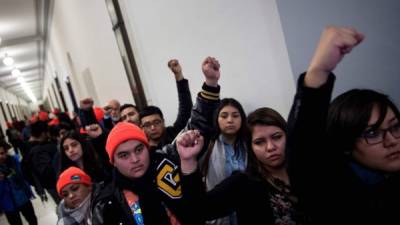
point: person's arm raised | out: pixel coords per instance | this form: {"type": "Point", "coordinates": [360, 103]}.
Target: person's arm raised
{"type": "Point", "coordinates": [210, 68]}
{"type": "Point", "coordinates": [176, 69]}
{"type": "Point", "coordinates": [189, 144]}
{"type": "Point", "coordinates": [334, 43]}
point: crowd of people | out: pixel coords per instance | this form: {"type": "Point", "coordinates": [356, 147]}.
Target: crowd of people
{"type": "Point", "coordinates": [330, 162]}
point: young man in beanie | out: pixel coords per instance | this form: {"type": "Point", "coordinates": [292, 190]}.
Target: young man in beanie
{"type": "Point", "coordinates": [74, 187]}
{"type": "Point", "coordinates": [147, 184]}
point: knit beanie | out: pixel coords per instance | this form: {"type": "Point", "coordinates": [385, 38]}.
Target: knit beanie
{"type": "Point", "coordinates": [122, 132]}
{"type": "Point", "coordinates": [72, 175]}
{"type": "Point", "coordinates": [98, 113]}
{"type": "Point", "coordinates": [43, 116]}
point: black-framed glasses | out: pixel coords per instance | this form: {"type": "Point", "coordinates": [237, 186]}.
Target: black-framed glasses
{"type": "Point", "coordinates": [376, 136]}
{"type": "Point", "coordinates": [155, 123]}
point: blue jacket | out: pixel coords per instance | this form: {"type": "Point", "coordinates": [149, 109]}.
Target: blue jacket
{"type": "Point", "coordinates": [14, 189]}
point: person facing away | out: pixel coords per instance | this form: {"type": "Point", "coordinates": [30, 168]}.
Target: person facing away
{"type": "Point", "coordinates": [15, 191]}
{"type": "Point", "coordinates": [354, 143]}
{"type": "Point", "coordinates": [41, 159]}
{"type": "Point", "coordinates": [14, 136]}
{"type": "Point", "coordinates": [146, 187]}
{"type": "Point", "coordinates": [227, 151]}
{"type": "Point", "coordinates": [75, 188]}
{"type": "Point", "coordinates": [263, 193]}
{"type": "Point", "coordinates": [152, 119]}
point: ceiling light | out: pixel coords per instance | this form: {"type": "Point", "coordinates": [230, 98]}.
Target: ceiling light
{"type": "Point", "coordinates": [29, 93]}
{"type": "Point", "coordinates": [21, 80]}
{"type": "Point", "coordinates": [8, 61]}
{"type": "Point", "coordinates": [27, 90]}
{"type": "Point", "coordinates": [16, 72]}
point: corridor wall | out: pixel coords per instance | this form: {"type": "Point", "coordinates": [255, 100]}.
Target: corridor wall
{"type": "Point", "coordinates": [81, 42]}
{"type": "Point", "coordinates": [373, 64]}
{"type": "Point", "coordinates": [246, 38]}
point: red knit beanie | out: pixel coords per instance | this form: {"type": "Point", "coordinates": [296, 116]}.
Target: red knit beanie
{"type": "Point", "coordinates": [124, 131]}
{"type": "Point", "coordinates": [43, 116]}
{"type": "Point", "coordinates": [72, 175]}
{"type": "Point", "coordinates": [98, 113]}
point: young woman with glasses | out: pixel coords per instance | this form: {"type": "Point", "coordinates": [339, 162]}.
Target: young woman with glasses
{"type": "Point", "coordinates": [344, 158]}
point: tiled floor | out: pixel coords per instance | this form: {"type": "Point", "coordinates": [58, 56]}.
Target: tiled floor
{"type": "Point", "coordinates": [45, 212]}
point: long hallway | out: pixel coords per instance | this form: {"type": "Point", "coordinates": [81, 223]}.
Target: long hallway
{"type": "Point", "coordinates": [59, 59]}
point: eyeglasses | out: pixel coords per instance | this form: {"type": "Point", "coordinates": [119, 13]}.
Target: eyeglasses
{"type": "Point", "coordinates": [376, 136]}
{"type": "Point", "coordinates": [155, 123]}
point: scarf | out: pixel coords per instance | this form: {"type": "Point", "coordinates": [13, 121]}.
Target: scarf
{"type": "Point", "coordinates": [77, 216]}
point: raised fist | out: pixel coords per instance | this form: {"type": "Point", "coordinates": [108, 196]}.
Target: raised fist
{"type": "Point", "coordinates": [189, 144]}
{"type": "Point", "coordinates": [174, 65]}
{"type": "Point", "coordinates": [334, 43]}
{"type": "Point", "coordinates": [86, 103]}
{"type": "Point", "coordinates": [93, 130]}
{"type": "Point", "coordinates": [211, 71]}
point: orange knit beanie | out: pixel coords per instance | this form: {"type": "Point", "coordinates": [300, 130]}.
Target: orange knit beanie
{"type": "Point", "coordinates": [72, 175]}
{"type": "Point", "coordinates": [122, 132]}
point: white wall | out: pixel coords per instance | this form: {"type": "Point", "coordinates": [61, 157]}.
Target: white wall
{"type": "Point", "coordinates": [245, 36]}
{"type": "Point", "coordinates": [373, 64]}
{"type": "Point", "coordinates": [83, 30]}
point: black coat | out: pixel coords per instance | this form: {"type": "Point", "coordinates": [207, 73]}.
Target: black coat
{"type": "Point", "coordinates": [185, 107]}
{"type": "Point", "coordinates": [110, 207]}
{"type": "Point", "coordinates": [246, 195]}
{"type": "Point", "coordinates": [43, 163]}
{"type": "Point", "coordinates": [325, 183]}
{"type": "Point", "coordinates": [162, 185]}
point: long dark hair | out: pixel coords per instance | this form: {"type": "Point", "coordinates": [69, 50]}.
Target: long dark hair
{"type": "Point", "coordinates": [91, 163]}
{"type": "Point", "coordinates": [266, 117]}
{"type": "Point", "coordinates": [349, 114]}
{"type": "Point", "coordinates": [242, 136]}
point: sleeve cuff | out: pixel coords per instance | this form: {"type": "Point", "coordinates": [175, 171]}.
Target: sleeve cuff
{"type": "Point", "coordinates": [210, 93]}
{"type": "Point", "coordinates": [328, 86]}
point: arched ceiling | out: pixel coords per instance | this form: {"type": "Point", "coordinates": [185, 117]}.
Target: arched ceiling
{"type": "Point", "coordinates": [23, 32]}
